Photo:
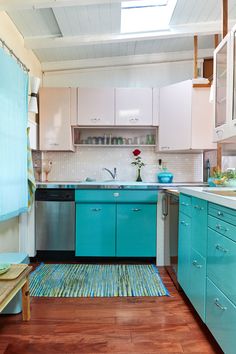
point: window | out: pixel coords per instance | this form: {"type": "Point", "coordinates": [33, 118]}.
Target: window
{"type": "Point", "coordinates": [146, 15]}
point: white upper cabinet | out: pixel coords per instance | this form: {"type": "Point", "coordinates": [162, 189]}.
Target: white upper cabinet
{"type": "Point", "coordinates": [33, 134]}
{"type": "Point", "coordinates": [133, 106]}
{"type": "Point", "coordinates": [186, 118]}
{"type": "Point", "coordinates": [96, 106]}
{"type": "Point", "coordinates": [57, 115]}
{"type": "Point", "coordinates": [155, 106]}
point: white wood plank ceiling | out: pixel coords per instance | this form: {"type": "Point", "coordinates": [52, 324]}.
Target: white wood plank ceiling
{"type": "Point", "coordinates": [61, 32]}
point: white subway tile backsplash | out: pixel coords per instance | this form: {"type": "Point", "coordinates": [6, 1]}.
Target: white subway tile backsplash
{"type": "Point", "coordinates": [89, 162]}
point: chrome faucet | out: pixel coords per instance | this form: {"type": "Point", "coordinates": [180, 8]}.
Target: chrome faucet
{"type": "Point", "coordinates": [113, 174]}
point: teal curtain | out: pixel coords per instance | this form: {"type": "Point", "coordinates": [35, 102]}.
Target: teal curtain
{"type": "Point", "coordinates": [13, 137]}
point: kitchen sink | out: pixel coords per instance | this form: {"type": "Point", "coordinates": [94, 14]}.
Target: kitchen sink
{"type": "Point", "coordinates": [224, 193]}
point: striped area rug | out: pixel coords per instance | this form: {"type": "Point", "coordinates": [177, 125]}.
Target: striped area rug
{"type": "Point", "coordinates": [93, 280]}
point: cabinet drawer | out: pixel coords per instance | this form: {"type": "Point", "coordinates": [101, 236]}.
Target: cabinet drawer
{"type": "Point", "coordinates": [115, 196]}
{"type": "Point", "coordinates": [221, 263]}
{"type": "Point", "coordinates": [221, 318]}
{"type": "Point", "coordinates": [222, 213]}
{"type": "Point", "coordinates": [185, 204]}
{"type": "Point", "coordinates": [198, 282]}
{"type": "Point", "coordinates": [222, 227]}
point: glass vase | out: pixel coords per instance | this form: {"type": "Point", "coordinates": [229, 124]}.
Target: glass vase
{"type": "Point", "coordinates": [139, 178]}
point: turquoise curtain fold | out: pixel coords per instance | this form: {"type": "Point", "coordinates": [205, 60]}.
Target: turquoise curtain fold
{"type": "Point", "coordinates": [13, 137]}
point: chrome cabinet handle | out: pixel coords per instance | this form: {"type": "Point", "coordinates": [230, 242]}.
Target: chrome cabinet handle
{"type": "Point", "coordinates": [220, 227]}
{"type": "Point", "coordinates": [196, 264]}
{"type": "Point", "coordinates": [219, 213]}
{"type": "Point", "coordinates": [165, 147]}
{"type": "Point", "coordinates": [54, 144]}
{"type": "Point", "coordinates": [222, 249]}
{"type": "Point", "coordinates": [116, 195]}
{"type": "Point", "coordinates": [184, 223]}
{"type": "Point", "coordinates": [95, 119]}
{"type": "Point", "coordinates": [185, 204]}
{"type": "Point", "coordinates": [218, 304]}
{"type": "Point", "coordinates": [96, 209]}
{"type": "Point", "coordinates": [136, 209]}
{"type": "Point", "coordinates": [198, 207]}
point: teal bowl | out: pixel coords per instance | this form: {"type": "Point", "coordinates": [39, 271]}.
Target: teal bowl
{"type": "Point", "coordinates": [165, 177]}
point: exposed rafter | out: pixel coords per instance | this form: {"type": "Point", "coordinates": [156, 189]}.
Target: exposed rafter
{"type": "Point", "coordinates": [8, 5]}
{"type": "Point", "coordinates": [175, 32]}
{"type": "Point", "coordinates": [142, 59]}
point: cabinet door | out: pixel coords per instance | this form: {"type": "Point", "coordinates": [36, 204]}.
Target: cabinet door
{"type": "Point", "coordinates": [199, 225]}
{"type": "Point", "coordinates": [95, 229]}
{"type": "Point", "coordinates": [96, 106]}
{"type": "Point", "coordinates": [133, 106]}
{"type": "Point", "coordinates": [197, 293]}
{"type": "Point", "coordinates": [184, 252]}
{"type": "Point", "coordinates": [136, 230]}
{"type": "Point", "coordinates": [56, 107]}
{"type": "Point", "coordinates": [175, 117]}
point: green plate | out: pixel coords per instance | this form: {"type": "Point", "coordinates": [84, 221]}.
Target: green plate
{"type": "Point", "coordinates": [4, 267]}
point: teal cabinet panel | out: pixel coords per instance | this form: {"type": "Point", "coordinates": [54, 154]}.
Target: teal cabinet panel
{"type": "Point", "coordinates": [221, 318]}
{"type": "Point", "coordinates": [96, 196]}
{"type": "Point", "coordinates": [136, 230]}
{"type": "Point", "coordinates": [115, 196]}
{"type": "Point", "coordinates": [199, 225]}
{"type": "Point", "coordinates": [95, 230]}
{"type": "Point", "coordinates": [221, 263]}
{"type": "Point", "coordinates": [222, 227]}
{"type": "Point", "coordinates": [185, 204]}
{"type": "Point", "coordinates": [184, 252]}
{"type": "Point", "coordinates": [198, 283]}
{"type": "Point", "coordinates": [223, 213]}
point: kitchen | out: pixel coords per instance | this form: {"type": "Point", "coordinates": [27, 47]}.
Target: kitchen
{"type": "Point", "coordinates": [116, 119]}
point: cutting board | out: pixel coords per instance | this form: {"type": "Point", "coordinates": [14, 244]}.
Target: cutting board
{"type": "Point", "coordinates": [14, 271]}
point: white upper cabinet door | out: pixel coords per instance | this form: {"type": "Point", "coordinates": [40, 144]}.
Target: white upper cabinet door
{"type": "Point", "coordinates": [96, 106]}
{"type": "Point", "coordinates": [175, 117]}
{"type": "Point", "coordinates": [33, 134]}
{"type": "Point", "coordinates": [133, 106]}
{"type": "Point", "coordinates": [56, 115]}
{"type": "Point", "coordinates": [155, 106]}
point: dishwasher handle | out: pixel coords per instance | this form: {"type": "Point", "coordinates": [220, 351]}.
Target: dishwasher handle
{"type": "Point", "coordinates": [164, 206]}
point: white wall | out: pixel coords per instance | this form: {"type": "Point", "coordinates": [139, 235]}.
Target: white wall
{"type": "Point", "coordinates": [9, 230]}
{"type": "Point", "coordinates": [150, 75]}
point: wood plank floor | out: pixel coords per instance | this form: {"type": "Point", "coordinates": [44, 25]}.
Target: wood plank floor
{"type": "Point", "coordinates": [108, 325]}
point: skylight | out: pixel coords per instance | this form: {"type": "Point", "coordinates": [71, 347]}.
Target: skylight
{"type": "Point", "coordinates": [146, 15]}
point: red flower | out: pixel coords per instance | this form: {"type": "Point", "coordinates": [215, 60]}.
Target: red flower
{"type": "Point", "coordinates": [136, 152]}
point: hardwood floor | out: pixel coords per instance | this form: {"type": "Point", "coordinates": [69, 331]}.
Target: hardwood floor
{"type": "Point", "coordinates": [108, 325]}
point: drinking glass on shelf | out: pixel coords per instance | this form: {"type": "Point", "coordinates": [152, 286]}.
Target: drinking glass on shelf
{"type": "Point", "coordinates": [37, 169]}
{"type": "Point", "coordinates": [47, 166]}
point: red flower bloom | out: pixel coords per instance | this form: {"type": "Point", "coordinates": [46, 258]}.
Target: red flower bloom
{"type": "Point", "coordinates": [136, 152]}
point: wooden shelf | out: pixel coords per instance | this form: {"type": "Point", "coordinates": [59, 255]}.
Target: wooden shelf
{"type": "Point", "coordinates": [201, 85]}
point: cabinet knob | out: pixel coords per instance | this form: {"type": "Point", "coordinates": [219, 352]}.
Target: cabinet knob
{"type": "Point", "coordinates": [116, 195]}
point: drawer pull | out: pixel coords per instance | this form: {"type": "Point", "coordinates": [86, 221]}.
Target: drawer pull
{"type": "Point", "coordinates": [96, 209]}
{"type": "Point", "coordinates": [116, 195]}
{"type": "Point", "coordinates": [185, 204]}
{"type": "Point", "coordinates": [196, 264]}
{"type": "Point", "coordinates": [219, 213]}
{"type": "Point", "coordinates": [184, 223]}
{"type": "Point", "coordinates": [218, 304]}
{"type": "Point", "coordinates": [222, 228]}
{"type": "Point", "coordinates": [198, 207]}
{"type": "Point", "coordinates": [222, 249]}
{"type": "Point", "coordinates": [136, 209]}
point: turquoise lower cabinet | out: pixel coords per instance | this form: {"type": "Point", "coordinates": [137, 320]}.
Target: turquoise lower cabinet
{"type": "Point", "coordinates": [95, 230]}
{"type": "Point", "coordinates": [221, 318]}
{"type": "Point", "coordinates": [184, 252]}
{"type": "Point", "coordinates": [197, 293]}
{"type": "Point", "coordinates": [199, 225]}
{"type": "Point", "coordinates": [136, 230]}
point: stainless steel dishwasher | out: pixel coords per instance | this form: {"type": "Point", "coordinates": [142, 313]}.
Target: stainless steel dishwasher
{"type": "Point", "coordinates": [55, 219]}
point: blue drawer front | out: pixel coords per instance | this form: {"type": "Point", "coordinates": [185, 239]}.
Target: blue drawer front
{"type": "Point", "coordinates": [222, 227]}
{"type": "Point", "coordinates": [221, 318]}
{"type": "Point", "coordinates": [115, 196]}
{"type": "Point", "coordinates": [221, 264]}
{"type": "Point", "coordinates": [198, 283]}
{"type": "Point", "coordinates": [185, 204]}
{"type": "Point", "coordinates": [223, 213]}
